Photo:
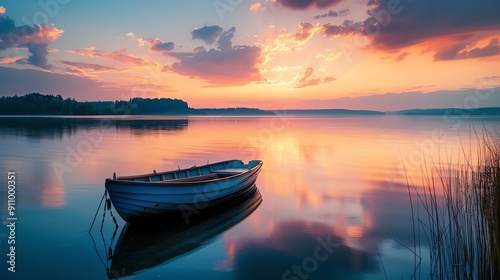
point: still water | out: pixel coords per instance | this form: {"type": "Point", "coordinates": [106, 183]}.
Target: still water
{"type": "Point", "coordinates": [331, 201]}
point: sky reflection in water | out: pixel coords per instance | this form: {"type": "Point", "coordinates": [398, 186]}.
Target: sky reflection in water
{"type": "Point", "coordinates": [339, 178]}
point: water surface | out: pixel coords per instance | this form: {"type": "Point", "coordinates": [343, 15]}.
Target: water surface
{"type": "Point", "coordinates": [341, 180]}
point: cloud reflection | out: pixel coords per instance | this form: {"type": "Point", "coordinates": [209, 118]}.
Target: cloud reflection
{"type": "Point", "coordinates": [290, 243]}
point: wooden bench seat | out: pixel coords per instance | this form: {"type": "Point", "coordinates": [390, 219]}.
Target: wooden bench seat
{"type": "Point", "coordinates": [195, 178]}
{"type": "Point", "coordinates": [231, 170]}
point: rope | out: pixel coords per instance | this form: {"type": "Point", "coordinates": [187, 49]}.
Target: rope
{"type": "Point", "coordinates": [97, 211]}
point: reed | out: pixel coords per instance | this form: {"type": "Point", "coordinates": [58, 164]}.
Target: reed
{"type": "Point", "coordinates": [460, 213]}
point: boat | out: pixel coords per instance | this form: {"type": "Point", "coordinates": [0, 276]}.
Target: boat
{"type": "Point", "coordinates": [140, 247]}
{"type": "Point", "coordinates": [181, 193]}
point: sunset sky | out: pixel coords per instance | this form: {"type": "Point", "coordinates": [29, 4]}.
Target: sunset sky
{"type": "Point", "coordinates": [271, 54]}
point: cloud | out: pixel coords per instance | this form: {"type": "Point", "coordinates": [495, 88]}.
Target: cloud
{"type": "Point", "coordinates": [307, 4]}
{"type": "Point", "coordinates": [208, 34]}
{"type": "Point", "coordinates": [417, 21]}
{"type": "Point", "coordinates": [348, 27]}
{"type": "Point", "coordinates": [82, 67]}
{"type": "Point", "coordinates": [306, 30]}
{"type": "Point", "coordinates": [402, 56]}
{"type": "Point", "coordinates": [393, 25]}
{"type": "Point", "coordinates": [180, 55]}
{"type": "Point", "coordinates": [310, 79]}
{"type": "Point", "coordinates": [119, 55]}
{"type": "Point", "coordinates": [35, 38]}
{"type": "Point", "coordinates": [332, 13]}
{"type": "Point", "coordinates": [10, 59]}
{"type": "Point", "coordinates": [158, 45]}
{"type": "Point", "coordinates": [237, 66]}
{"type": "Point", "coordinates": [450, 53]}
{"type": "Point", "coordinates": [38, 55]}
{"type": "Point", "coordinates": [285, 40]}
{"type": "Point", "coordinates": [155, 44]}
{"type": "Point", "coordinates": [333, 56]}
{"type": "Point", "coordinates": [225, 40]}
{"type": "Point", "coordinates": [459, 51]}
{"type": "Point", "coordinates": [255, 6]}
{"type": "Point", "coordinates": [222, 66]}
{"type": "Point", "coordinates": [166, 68]}
{"type": "Point", "coordinates": [306, 78]}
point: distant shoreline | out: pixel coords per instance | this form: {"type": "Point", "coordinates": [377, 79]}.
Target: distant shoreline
{"type": "Point", "coordinates": [252, 112]}
{"type": "Point", "coordinates": [36, 104]}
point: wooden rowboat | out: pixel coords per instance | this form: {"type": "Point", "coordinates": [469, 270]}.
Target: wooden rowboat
{"type": "Point", "coordinates": [142, 247]}
{"type": "Point", "coordinates": [180, 193]}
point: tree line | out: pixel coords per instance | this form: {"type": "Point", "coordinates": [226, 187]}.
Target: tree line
{"type": "Point", "coordinates": [47, 104]}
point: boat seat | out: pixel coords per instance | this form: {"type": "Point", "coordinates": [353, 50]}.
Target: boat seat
{"type": "Point", "coordinates": [195, 178]}
{"type": "Point", "coordinates": [230, 170]}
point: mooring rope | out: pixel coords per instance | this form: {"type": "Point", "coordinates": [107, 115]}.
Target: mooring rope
{"type": "Point", "coordinates": [97, 211]}
{"type": "Point", "coordinates": [108, 254]}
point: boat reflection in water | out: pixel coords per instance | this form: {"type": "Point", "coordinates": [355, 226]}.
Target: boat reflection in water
{"type": "Point", "coordinates": [143, 246]}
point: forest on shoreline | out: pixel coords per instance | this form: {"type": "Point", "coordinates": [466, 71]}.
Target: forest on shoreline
{"type": "Point", "coordinates": [47, 104]}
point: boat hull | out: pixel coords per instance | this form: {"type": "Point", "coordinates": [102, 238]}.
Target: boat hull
{"type": "Point", "coordinates": [141, 247]}
{"type": "Point", "coordinates": [145, 201]}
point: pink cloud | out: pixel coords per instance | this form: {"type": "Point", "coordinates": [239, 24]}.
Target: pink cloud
{"type": "Point", "coordinates": [235, 66]}
{"type": "Point", "coordinates": [83, 68]}
{"type": "Point", "coordinates": [459, 51]}
{"type": "Point", "coordinates": [10, 59]}
{"type": "Point", "coordinates": [224, 65]}
{"type": "Point", "coordinates": [33, 37]}
{"type": "Point", "coordinates": [119, 55]}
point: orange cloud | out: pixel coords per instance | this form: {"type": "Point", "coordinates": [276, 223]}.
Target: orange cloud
{"type": "Point", "coordinates": [255, 6]}
{"type": "Point", "coordinates": [285, 40]}
{"type": "Point", "coordinates": [310, 79]}
{"type": "Point", "coordinates": [10, 59]}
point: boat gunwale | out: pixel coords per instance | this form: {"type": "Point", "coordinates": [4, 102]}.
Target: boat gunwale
{"type": "Point", "coordinates": [169, 182]}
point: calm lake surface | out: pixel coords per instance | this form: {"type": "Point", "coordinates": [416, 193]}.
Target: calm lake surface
{"type": "Point", "coordinates": [334, 180]}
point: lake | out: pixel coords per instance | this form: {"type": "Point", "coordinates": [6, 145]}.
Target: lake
{"type": "Point", "coordinates": [332, 200]}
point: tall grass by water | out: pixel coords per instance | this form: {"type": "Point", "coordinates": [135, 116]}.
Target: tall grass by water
{"type": "Point", "coordinates": [457, 213]}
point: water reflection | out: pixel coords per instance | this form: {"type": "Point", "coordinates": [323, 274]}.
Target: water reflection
{"type": "Point", "coordinates": [305, 250]}
{"type": "Point", "coordinates": [58, 127]}
{"type": "Point", "coordinates": [141, 246]}
{"type": "Point", "coordinates": [338, 177]}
